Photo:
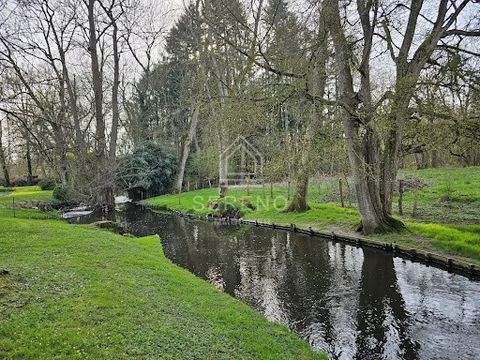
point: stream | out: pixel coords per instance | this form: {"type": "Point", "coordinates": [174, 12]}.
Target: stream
{"type": "Point", "coordinates": [354, 303]}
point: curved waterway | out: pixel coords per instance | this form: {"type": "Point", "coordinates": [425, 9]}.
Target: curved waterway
{"type": "Point", "coordinates": [351, 302]}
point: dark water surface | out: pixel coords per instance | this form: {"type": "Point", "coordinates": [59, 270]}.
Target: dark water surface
{"type": "Point", "coordinates": [353, 303]}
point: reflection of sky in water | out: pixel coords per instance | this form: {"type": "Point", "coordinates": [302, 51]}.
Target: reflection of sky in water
{"type": "Point", "coordinates": [354, 303]}
{"type": "Point", "coordinates": [444, 309]}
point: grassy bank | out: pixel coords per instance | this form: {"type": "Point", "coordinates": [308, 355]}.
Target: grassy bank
{"type": "Point", "coordinates": [448, 195]}
{"type": "Point", "coordinates": [24, 194]}
{"type": "Point", "coordinates": [447, 218]}
{"type": "Point", "coordinates": [74, 291]}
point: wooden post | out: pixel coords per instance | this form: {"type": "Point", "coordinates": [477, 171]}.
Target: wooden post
{"type": "Point", "coordinates": [400, 197]}
{"type": "Point", "coordinates": [348, 192]}
{"type": "Point", "coordinates": [414, 209]}
{"type": "Point", "coordinates": [340, 187]}
{"type": "Point", "coordinates": [13, 204]}
{"type": "Point", "coordinates": [271, 189]}
{"type": "Point", "coordinates": [288, 190]}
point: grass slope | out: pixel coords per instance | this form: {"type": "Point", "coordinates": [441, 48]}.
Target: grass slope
{"type": "Point", "coordinates": [452, 195]}
{"type": "Point", "coordinates": [77, 292]}
{"type": "Point", "coordinates": [447, 221]}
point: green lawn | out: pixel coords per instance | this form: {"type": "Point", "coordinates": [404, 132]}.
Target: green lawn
{"type": "Point", "coordinates": [448, 225]}
{"type": "Point", "coordinates": [74, 291]}
{"type": "Point", "coordinates": [452, 195]}
{"type": "Point", "coordinates": [25, 194]}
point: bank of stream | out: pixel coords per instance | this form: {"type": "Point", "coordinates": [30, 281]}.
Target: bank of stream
{"type": "Point", "coordinates": [349, 301]}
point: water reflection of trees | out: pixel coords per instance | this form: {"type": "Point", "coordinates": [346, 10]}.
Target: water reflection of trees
{"type": "Point", "coordinates": [382, 320]}
{"type": "Point", "coordinates": [342, 299]}
{"type": "Point", "coordinates": [324, 291]}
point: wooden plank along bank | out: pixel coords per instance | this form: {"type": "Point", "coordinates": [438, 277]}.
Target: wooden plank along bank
{"type": "Point", "coordinates": [412, 254]}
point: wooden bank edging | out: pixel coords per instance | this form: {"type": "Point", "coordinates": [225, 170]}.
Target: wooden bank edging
{"type": "Point", "coordinates": [428, 258]}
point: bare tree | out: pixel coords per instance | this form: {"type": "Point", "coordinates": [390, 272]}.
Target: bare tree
{"type": "Point", "coordinates": [373, 160]}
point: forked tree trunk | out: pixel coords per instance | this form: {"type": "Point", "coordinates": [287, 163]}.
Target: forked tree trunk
{"type": "Point", "coordinates": [364, 157]}
{"type": "Point", "coordinates": [187, 144]}
{"type": "Point", "coordinates": [363, 143]}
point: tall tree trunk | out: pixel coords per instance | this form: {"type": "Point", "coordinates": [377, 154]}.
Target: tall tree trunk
{"type": "Point", "coordinates": [393, 143]}
{"type": "Point", "coordinates": [363, 154]}
{"type": "Point", "coordinates": [116, 84]}
{"type": "Point", "coordinates": [362, 140]}
{"type": "Point", "coordinates": [105, 195]}
{"type": "Point", "coordinates": [79, 137]}
{"type": "Point", "coordinates": [316, 88]}
{"type": "Point", "coordinates": [60, 149]}
{"type": "Point", "coordinates": [186, 148]}
{"type": "Point", "coordinates": [3, 159]}
{"type": "Point", "coordinates": [299, 200]}
{"type": "Point", "coordinates": [408, 68]}
{"type": "Point", "coordinates": [59, 132]}
{"type": "Point", "coordinates": [28, 156]}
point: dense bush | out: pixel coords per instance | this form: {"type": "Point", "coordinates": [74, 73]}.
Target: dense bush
{"type": "Point", "coordinates": [150, 167]}
{"type": "Point", "coordinates": [47, 184]}
{"type": "Point", "coordinates": [60, 193]}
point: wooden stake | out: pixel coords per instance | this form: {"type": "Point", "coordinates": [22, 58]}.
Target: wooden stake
{"type": "Point", "coordinates": [340, 187]}
{"type": "Point", "coordinates": [348, 192]}
{"type": "Point", "coordinates": [400, 197]}
{"type": "Point", "coordinates": [414, 209]}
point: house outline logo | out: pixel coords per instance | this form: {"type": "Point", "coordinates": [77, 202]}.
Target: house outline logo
{"type": "Point", "coordinates": [246, 150]}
